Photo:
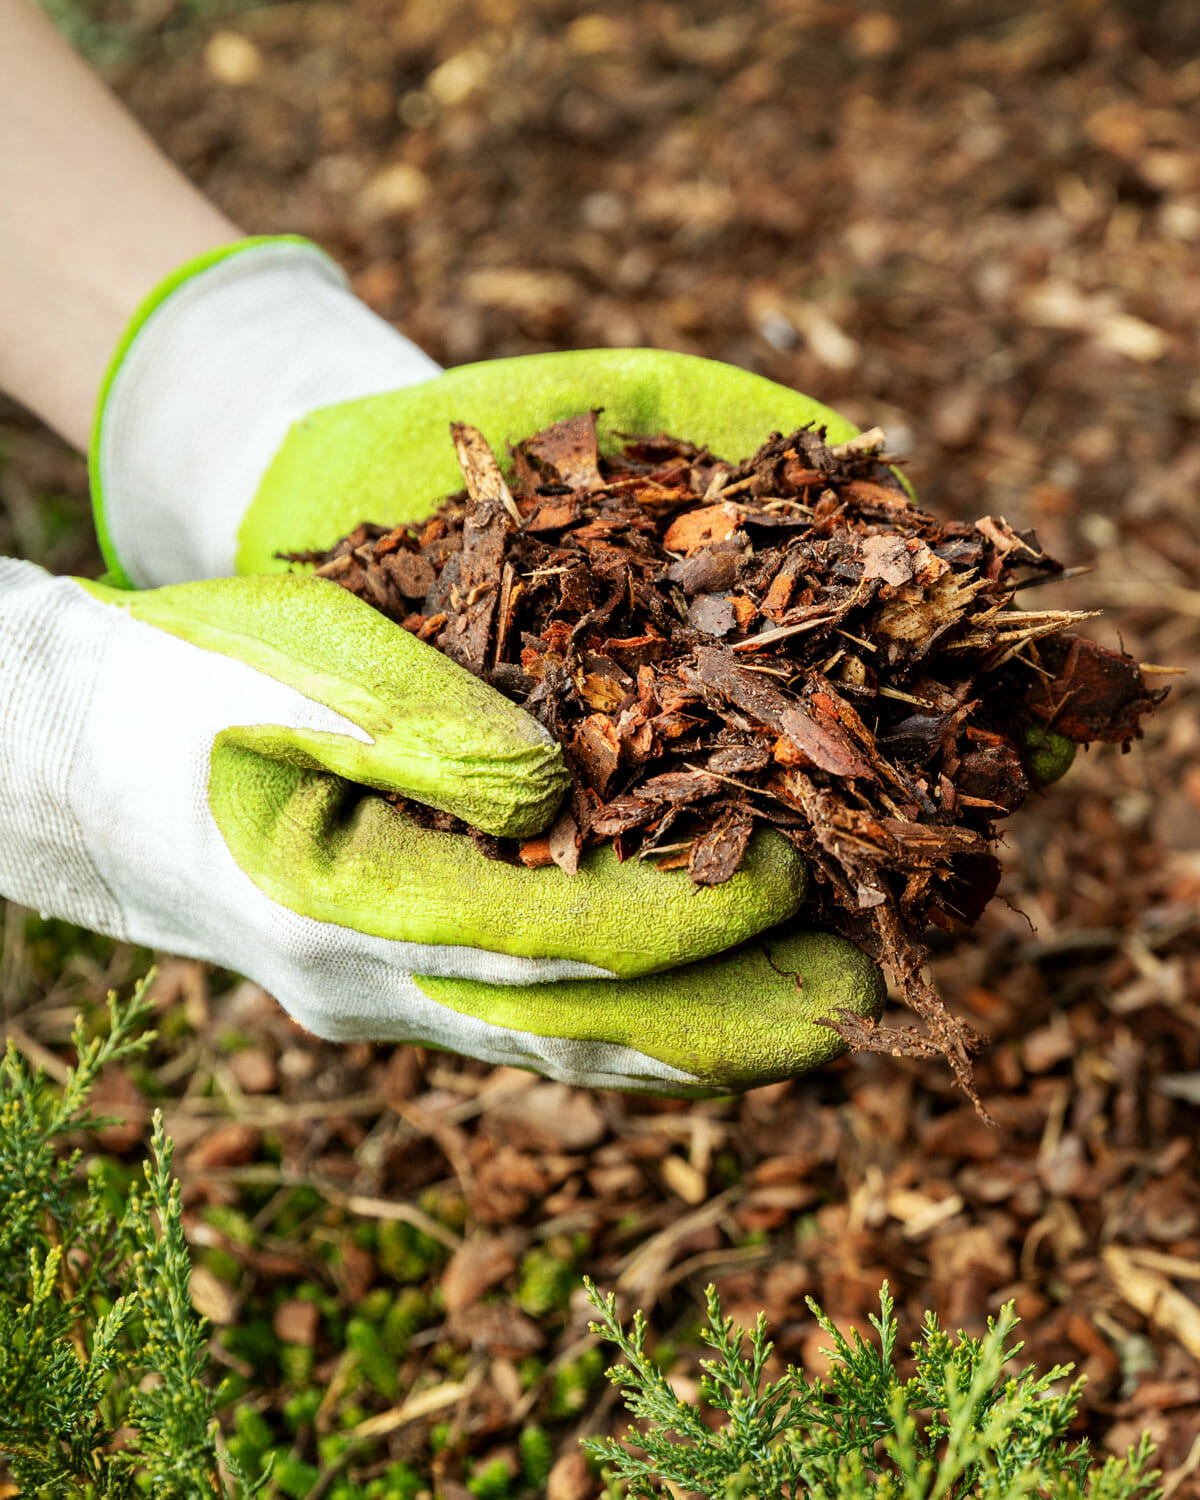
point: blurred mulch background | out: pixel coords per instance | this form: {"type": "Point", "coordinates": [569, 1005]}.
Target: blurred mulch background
{"type": "Point", "coordinates": [975, 224]}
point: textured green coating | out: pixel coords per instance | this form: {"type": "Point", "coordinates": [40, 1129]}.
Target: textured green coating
{"type": "Point", "coordinates": [1048, 755]}
{"type": "Point", "coordinates": [733, 1024]}
{"type": "Point", "coordinates": [438, 734]}
{"type": "Point", "coordinates": [389, 458]}
{"type": "Point", "coordinates": [339, 854]}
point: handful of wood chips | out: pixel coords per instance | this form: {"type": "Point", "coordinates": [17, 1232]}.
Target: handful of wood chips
{"type": "Point", "coordinates": [788, 641]}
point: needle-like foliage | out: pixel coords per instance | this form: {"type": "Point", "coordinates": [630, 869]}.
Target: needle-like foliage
{"type": "Point", "coordinates": [965, 1424]}
{"type": "Point", "coordinates": [97, 1331]}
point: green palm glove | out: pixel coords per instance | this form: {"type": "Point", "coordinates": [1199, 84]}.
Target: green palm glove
{"type": "Point", "coordinates": [191, 768]}
{"type": "Point", "coordinates": [283, 803]}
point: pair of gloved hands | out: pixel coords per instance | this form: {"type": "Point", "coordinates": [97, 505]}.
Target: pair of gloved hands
{"type": "Point", "coordinates": [184, 751]}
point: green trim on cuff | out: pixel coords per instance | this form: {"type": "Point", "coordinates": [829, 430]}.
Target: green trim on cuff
{"type": "Point", "coordinates": [116, 575]}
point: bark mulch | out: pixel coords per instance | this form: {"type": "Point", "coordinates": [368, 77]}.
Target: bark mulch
{"type": "Point", "coordinates": [788, 641]}
{"type": "Point", "coordinates": [974, 227]}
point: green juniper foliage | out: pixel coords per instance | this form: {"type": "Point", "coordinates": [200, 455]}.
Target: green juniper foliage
{"type": "Point", "coordinates": [963, 1425]}
{"type": "Point", "coordinates": [97, 1329]}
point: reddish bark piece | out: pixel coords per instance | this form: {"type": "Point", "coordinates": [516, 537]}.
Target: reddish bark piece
{"type": "Point", "coordinates": [700, 528]}
{"type": "Point", "coordinates": [680, 787]}
{"type": "Point", "coordinates": [708, 571]}
{"type": "Point", "coordinates": [434, 529]}
{"type": "Point", "coordinates": [779, 595]}
{"type": "Point", "coordinates": [738, 760]}
{"type": "Point", "coordinates": [921, 841]}
{"type": "Point", "coordinates": [637, 737]}
{"type": "Point", "coordinates": [717, 853]}
{"type": "Point", "coordinates": [993, 775]}
{"type": "Point", "coordinates": [673, 725]}
{"type": "Point", "coordinates": [565, 452]}
{"type": "Point", "coordinates": [553, 515]}
{"type": "Point", "coordinates": [535, 852]}
{"type": "Point", "coordinates": [485, 527]}
{"type": "Point", "coordinates": [411, 572]}
{"type": "Point", "coordinates": [797, 473]}
{"type": "Point", "coordinates": [822, 742]}
{"type": "Point", "coordinates": [719, 670]}
{"type": "Point", "coordinates": [598, 751]}
{"type": "Point", "coordinates": [868, 494]}
{"type": "Point", "coordinates": [634, 652]}
{"type": "Point", "coordinates": [622, 814]}
{"type": "Point", "coordinates": [1094, 694]}
{"type": "Point", "coordinates": [479, 1263]}
{"type": "Point", "coordinates": [745, 611]}
{"type": "Point", "coordinates": [674, 697]}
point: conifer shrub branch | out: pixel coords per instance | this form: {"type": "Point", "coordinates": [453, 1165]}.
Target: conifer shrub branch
{"type": "Point", "coordinates": [965, 1424]}
{"type": "Point", "coordinates": [102, 1356]}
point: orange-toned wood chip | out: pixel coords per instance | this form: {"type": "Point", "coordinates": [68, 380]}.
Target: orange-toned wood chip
{"type": "Point", "coordinates": [700, 528]}
{"type": "Point", "coordinates": [535, 852]}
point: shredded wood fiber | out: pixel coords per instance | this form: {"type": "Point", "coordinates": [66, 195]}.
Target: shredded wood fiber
{"type": "Point", "coordinates": [788, 641]}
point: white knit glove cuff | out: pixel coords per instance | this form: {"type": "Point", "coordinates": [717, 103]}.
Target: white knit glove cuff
{"type": "Point", "coordinates": [203, 397]}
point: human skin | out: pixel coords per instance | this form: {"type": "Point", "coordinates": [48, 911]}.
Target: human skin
{"type": "Point", "coordinates": [92, 217]}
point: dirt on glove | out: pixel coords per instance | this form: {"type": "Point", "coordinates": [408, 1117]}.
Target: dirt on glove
{"type": "Point", "coordinates": [787, 641]}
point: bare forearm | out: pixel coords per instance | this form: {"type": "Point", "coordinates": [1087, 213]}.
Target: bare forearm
{"type": "Point", "coordinates": [92, 216]}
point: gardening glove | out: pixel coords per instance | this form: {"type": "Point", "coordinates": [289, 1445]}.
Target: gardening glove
{"type": "Point", "coordinates": [221, 439]}
{"type": "Point", "coordinates": [187, 768]}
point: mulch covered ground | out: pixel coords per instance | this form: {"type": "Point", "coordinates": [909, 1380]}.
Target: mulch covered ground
{"type": "Point", "coordinates": [975, 230]}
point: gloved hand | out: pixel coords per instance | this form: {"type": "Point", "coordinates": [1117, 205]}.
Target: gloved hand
{"type": "Point", "coordinates": [185, 767]}
{"type": "Point", "coordinates": [239, 420]}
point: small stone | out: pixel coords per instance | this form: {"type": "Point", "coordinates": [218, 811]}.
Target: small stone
{"type": "Point", "coordinates": [117, 1095]}
{"type": "Point", "coordinates": [683, 1179]}
{"type": "Point", "coordinates": [295, 1322]}
{"type": "Point", "coordinates": [231, 1145]}
{"type": "Point", "coordinates": [397, 189]}
{"type": "Point", "coordinates": [570, 1479]}
{"type": "Point", "coordinates": [232, 58]}
{"type": "Point", "coordinates": [254, 1070]}
{"type": "Point", "coordinates": [212, 1298]}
